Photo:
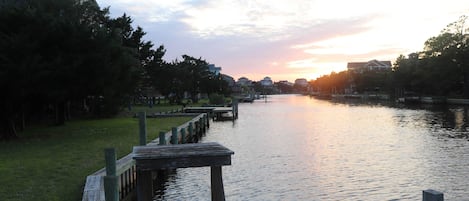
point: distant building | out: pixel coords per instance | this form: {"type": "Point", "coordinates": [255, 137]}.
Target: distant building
{"type": "Point", "coordinates": [267, 82]}
{"type": "Point", "coordinates": [301, 82]}
{"type": "Point", "coordinates": [228, 79]}
{"type": "Point", "coordinates": [243, 81]}
{"type": "Point", "coordinates": [373, 65]}
{"type": "Point", "coordinates": [285, 82]}
{"type": "Point", "coordinates": [214, 69]}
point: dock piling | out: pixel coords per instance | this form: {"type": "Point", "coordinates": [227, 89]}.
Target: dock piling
{"type": "Point", "coordinates": [183, 135]}
{"type": "Point", "coordinates": [432, 195]}
{"type": "Point", "coordinates": [216, 182]}
{"type": "Point", "coordinates": [191, 132]}
{"type": "Point", "coordinates": [174, 136]}
{"type": "Point", "coordinates": [142, 127]}
{"type": "Point", "coordinates": [162, 138]}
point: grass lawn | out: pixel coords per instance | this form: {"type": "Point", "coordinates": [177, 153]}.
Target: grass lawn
{"type": "Point", "coordinates": [51, 163]}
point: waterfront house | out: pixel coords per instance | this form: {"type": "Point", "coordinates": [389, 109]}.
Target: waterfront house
{"type": "Point", "coordinates": [373, 65]}
{"type": "Point", "coordinates": [214, 69]}
{"type": "Point", "coordinates": [243, 81]}
{"type": "Point", "coordinates": [267, 82]}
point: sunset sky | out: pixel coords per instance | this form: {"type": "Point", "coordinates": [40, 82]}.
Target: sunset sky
{"type": "Point", "coordinates": [289, 39]}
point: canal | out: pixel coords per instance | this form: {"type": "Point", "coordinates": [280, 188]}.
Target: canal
{"type": "Point", "coordinates": [295, 147]}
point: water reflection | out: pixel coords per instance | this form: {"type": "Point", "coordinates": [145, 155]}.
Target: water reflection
{"type": "Point", "coordinates": [297, 148]}
{"type": "Point", "coordinates": [453, 119]}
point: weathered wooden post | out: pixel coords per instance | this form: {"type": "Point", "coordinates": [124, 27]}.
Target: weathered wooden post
{"type": "Point", "coordinates": [235, 109]}
{"type": "Point", "coordinates": [144, 185]}
{"type": "Point", "coordinates": [197, 129]}
{"type": "Point", "coordinates": [201, 127]}
{"type": "Point", "coordinates": [143, 127]}
{"type": "Point", "coordinates": [202, 124]}
{"type": "Point", "coordinates": [111, 180]}
{"type": "Point", "coordinates": [183, 135]}
{"type": "Point", "coordinates": [432, 195]}
{"type": "Point", "coordinates": [216, 182]}
{"type": "Point", "coordinates": [162, 138]}
{"type": "Point", "coordinates": [174, 135]}
{"type": "Point", "coordinates": [191, 132]}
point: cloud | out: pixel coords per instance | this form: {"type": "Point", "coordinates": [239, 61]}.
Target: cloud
{"type": "Point", "coordinates": [149, 11]}
{"type": "Point", "coordinates": [280, 39]}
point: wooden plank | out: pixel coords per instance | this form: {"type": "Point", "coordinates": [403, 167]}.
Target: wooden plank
{"type": "Point", "coordinates": [94, 189]}
{"type": "Point", "coordinates": [125, 164]}
{"type": "Point", "coordinates": [182, 150]}
{"type": "Point", "coordinates": [182, 162]}
{"type": "Point", "coordinates": [181, 156]}
{"type": "Point", "coordinates": [222, 109]}
{"type": "Point", "coordinates": [198, 109]}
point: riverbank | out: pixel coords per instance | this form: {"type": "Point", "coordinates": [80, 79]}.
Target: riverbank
{"type": "Point", "coordinates": [387, 97]}
{"type": "Point", "coordinates": [51, 163]}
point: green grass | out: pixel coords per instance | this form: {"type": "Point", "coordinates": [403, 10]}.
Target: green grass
{"type": "Point", "coordinates": [51, 163]}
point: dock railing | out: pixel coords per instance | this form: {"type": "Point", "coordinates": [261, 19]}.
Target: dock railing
{"type": "Point", "coordinates": [122, 180]}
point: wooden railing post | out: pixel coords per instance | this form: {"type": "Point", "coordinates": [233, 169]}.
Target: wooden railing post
{"type": "Point", "coordinates": [198, 130]}
{"type": "Point", "coordinates": [111, 181]}
{"type": "Point", "coordinates": [174, 135]}
{"type": "Point", "coordinates": [143, 128]}
{"type": "Point", "coordinates": [162, 138]}
{"type": "Point", "coordinates": [432, 195]}
{"type": "Point", "coordinates": [202, 124]}
{"type": "Point", "coordinates": [183, 135]}
{"type": "Point", "coordinates": [191, 132]}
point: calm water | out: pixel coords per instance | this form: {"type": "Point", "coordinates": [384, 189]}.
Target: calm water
{"type": "Point", "coordinates": [300, 148]}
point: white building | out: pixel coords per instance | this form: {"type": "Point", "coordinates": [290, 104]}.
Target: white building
{"type": "Point", "coordinates": [267, 82]}
{"type": "Point", "coordinates": [214, 69]}
{"type": "Point", "coordinates": [301, 82]}
{"type": "Point", "coordinates": [243, 81]}
{"type": "Point", "coordinates": [373, 65]}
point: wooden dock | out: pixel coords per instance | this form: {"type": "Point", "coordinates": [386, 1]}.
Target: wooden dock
{"type": "Point", "coordinates": [121, 181]}
{"type": "Point", "coordinates": [152, 158]}
{"type": "Point", "coordinates": [216, 113]}
{"type": "Point", "coordinates": [125, 169]}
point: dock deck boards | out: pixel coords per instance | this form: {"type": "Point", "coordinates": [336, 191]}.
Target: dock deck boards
{"type": "Point", "coordinates": [181, 156]}
{"type": "Point", "coordinates": [151, 158]}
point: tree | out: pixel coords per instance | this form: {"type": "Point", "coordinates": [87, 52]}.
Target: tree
{"type": "Point", "coordinates": [450, 49]}
{"type": "Point", "coordinates": [55, 54]}
{"type": "Point", "coordinates": [175, 78]}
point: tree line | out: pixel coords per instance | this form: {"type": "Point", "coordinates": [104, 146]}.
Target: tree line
{"type": "Point", "coordinates": [66, 58]}
{"type": "Point", "coordinates": [440, 69]}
